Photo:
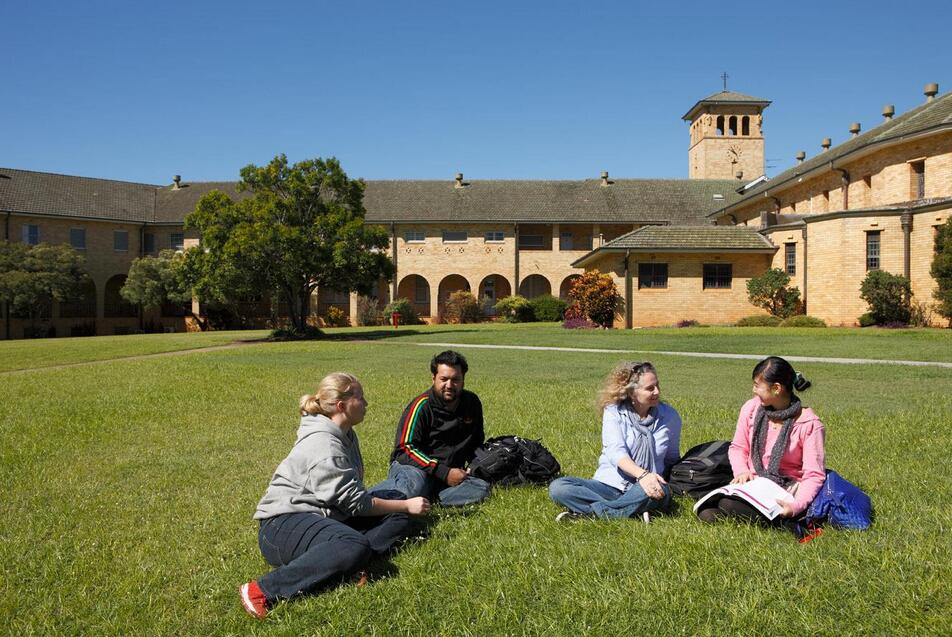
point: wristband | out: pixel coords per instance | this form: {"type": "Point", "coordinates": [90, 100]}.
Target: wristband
{"type": "Point", "coordinates": [643, 474]}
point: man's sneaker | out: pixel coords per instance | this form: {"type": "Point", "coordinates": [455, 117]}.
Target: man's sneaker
{"type": "Point", "coordinates": [646, 517]}
{"type": "Point", "coordinates": [571, 516]}
{"type": "Point", "coordinates": [253, 600]}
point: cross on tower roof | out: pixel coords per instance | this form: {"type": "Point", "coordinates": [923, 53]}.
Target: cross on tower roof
{"type": "Point", "coordinates": [724, 77]}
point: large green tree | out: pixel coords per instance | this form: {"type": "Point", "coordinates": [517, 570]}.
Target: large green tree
{"type": "Point", "coordinates": [770, 292]}
{"type": "Point", "coordinates": [301, 227]}
{"type": "Point", "coordinates": [154, 280]}
{"type": "Point", "coordinates": [942, 269]}
{"type": "Point", "coordinates": [31, 277]}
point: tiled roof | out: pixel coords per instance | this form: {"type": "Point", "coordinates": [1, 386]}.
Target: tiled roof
{"type": "Point", "coordinates": [41, 193]}
{"type": "Point", "coordinates": [725, 97]}
{"type": "Point", "coordinates": [931, 115]}
{"type": "Point", "coordinates": [172, 204]}
{"type": "Point", "coordinates": [624, 200]}
{"type": "Point", "coordinates": [685, 239]}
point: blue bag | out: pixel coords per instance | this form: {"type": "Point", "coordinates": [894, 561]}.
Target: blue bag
{"type": "Point", "coordinates": [841, 503]}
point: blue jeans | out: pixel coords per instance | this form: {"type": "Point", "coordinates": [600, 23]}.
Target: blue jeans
{"type": "Point", "coordinates": [604, 501]}
{"type": "Point", "coordinates": [411, 482]}
{"type": "Point", "coordinates": [308, 549]}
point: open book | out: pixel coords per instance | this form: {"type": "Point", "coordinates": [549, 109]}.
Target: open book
{"type": "Point", "coordinates": [760, 493]}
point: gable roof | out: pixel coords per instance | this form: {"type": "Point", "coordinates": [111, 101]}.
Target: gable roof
{"type": "Point", "coordinates": [173, 204]}
{"type": "Point", "coordinates": [935, 115]}
{"type": "Point", "coordinates": [623, 200]}
{"type": "Point", "coordinates": [40, 193]}
{"type": "Point", "coordinates": [725, 97]}
{"type": "Point", "coordinates": [703, 239]}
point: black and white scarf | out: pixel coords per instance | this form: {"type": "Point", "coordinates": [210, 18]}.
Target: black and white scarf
{"type": "Point", "coordinates": [759, 442]}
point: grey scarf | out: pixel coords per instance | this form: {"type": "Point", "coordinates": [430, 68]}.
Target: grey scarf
{"type": "Point", "coordinates": [759, 442]}
{"type": "Point", "coordinates": [643, 452]}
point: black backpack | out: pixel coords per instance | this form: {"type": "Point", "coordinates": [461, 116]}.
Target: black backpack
{"type": "Point", "coordinates": [702, 469]}
{"type": "Point", "coordinates": [511, 460]}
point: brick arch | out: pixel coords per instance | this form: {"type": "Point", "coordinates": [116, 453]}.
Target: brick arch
{"type": "Point", "coordinates": [84, 306]}
{"type": "Point", "coordinates": [417, 289]}
{"type": "Point", "coordinates": [492, 288]}
{"type": "Point", "coordinates": [567, 285]}
{"type": "Point", "coordinates": [450, 283]}
{"type": "Point", "coordinates": [534, 285]}
{"type": "Point", "coordinates": [114, 306]}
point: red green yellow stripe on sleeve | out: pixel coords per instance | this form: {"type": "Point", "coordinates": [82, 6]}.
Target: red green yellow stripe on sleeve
{"type": "Point", "coordinates": [406, 433]}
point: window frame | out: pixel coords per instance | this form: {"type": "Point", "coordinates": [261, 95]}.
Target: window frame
{"type": "Point", "coordinates": [715, 280]}
{"type": "Point", "coordinates": [527, 246]}
{"type": "Point", "coordinates": [72, 236]}
{"type": "Point", "coordinates": [464, 233]}
{"type": "Point", "coordinates": [490, 236]}
{"type": "Point", "coordinates": [874, 261]}
{"type": "Point", "coordinates": [652, 275]}
{"type": "Point", "coordinates": [30, 234]}
{"type": "Point", "coordinates": [172, 242]}
{"type": "Point", "coordinates": [116, 243]}
{"type": "Point", "coordinates": [790, 258]}
{"type": "Point", "coordinates": [148, 243]}
{"type": "Point", "coordinates": [414, 236]}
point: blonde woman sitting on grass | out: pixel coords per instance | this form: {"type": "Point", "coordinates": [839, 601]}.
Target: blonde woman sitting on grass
{"type": "Point", "coordinates": [318, 524]}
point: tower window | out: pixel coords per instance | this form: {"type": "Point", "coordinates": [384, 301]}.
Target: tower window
{"type": "Point", "coordinates": [745, 125]}
{"type": "Point", "coordinates": [732, 125]}
{"type": "Point", "coordinates": [720, 125]}
{"type": "Point", "coordinates": [918, 179]}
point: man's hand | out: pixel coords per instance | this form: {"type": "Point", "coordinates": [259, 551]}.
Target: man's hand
{"type": "Point", "coordinates": [418, 506]}
{"type": "Point", "coordinates": [455, 477]}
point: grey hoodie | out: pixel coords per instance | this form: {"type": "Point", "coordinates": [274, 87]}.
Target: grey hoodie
{"type": "Point", "coordinates": [324, 473]}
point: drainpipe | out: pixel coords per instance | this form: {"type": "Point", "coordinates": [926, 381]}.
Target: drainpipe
{"type": "Point", "coordinates": [628, 292]}
{"type": "Point", "coordinates": [845, 178]}
{"type": "Point", "coordinates": [805, 261]}
{"type": "Point", "coordinates": [515, 235]}
{"type": "Point", "coordinates": [906, 221]}
{"type": "Point", "coordinates": [393, 255]}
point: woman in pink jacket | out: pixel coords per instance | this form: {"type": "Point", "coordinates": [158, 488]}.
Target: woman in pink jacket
{"type": "Point", "coordinates": [776, 438]}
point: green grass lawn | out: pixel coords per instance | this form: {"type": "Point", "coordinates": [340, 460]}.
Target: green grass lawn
{"type": "Point", "coordinates": [128, 490]}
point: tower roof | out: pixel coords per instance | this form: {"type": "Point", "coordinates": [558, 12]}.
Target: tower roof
{"type": "Point", "coordinates": [725, 98]}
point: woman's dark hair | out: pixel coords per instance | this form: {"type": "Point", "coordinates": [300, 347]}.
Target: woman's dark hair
{"type": "Point", "coordinates": [451, 358]}
{"type": "Point", "coordinates": [774, 369]}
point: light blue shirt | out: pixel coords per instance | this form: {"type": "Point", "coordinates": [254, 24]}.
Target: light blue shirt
{"type": "Point", "coordinates": [619, 439]}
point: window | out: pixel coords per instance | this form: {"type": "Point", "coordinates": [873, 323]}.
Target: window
{"type": "Point", "coordinates": [454, 236]}
{"type": "Point", "coordinates": [421, 291]}
{"type": "Point", "coordinates": [77, 238]}
{"type": "Point", "coordinates": [31, 234]}
{"type": "Point", "coordinates": [530, 241]}
{"type": "Point", "coordinates": [177, 240]}
{"type": "Point", "coordinates": [120, 240]}
{"type": "Point", "coordinates": [717, 275]}
{"type": "Point", "coordinates": [495, 236]}
{"type": "Point", "coordinates": [566, 241]}
{"type": "Point", "coordinates": [652, 275]}
{"type": "Point", "coordinates": [148, 243]}
{"type": "Point", "coordinates": [790, 258]}
{"type": "Point", "coordinates": [872, 250]}
{"type": "Point", "coordinates": [414, 236]}
{"type": "Point", "coordinates": [918, 179]}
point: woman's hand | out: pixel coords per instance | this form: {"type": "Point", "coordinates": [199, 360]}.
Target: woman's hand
{"type": "Point", "coordinates": [747, 476]}
{"type": "Point", "coordinates": [418, 506]}
{"type": "Point", "coordinates": [651, 483]}
{"type": "Point", "coordinates": [787, 507]}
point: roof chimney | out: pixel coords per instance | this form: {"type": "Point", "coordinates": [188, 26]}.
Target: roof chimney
{"type": "Point", "coordinates": [855, 128]}
{"type": "Point", "coordinates": [826, 143]}
{"type": "Point", "coordinates": [739, 174]}
{"type": "Point", "coordinates": [459, 180]}
{"type": "Point", "coordinates": [888, 111]}
{"type": "Point", "coordinates": [604, 177]}
{"type": "Point", "coordinates": [177, 181]}
{"type": "Point", "coordinates": [931, 91]}
{"type": "Point", "coordinates": [801, 156]}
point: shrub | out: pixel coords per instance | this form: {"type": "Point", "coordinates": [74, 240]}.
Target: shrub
{"type": "Point", "coordinates": [408, 315]}
{"type": "Point", "coordinates": [514, 309]}
{"type": "Point", "coordinates": [888, 295]}
{"type": "Point", "coordinates": [462, 307]}
{"type": "Point", "coordinates": [770, 292]}
{"type": "Point", "coordinates": [758, 320]}
{"type": "Point", "coordinates": [920, 314]}
{"type": "Point", "coordinates": [548, 308]}
{"type": "Point", "coordinates": [941, 269]}
{"type": "Point", "coordinates": [336, 317]}
{"type": "Point", "coordinates": [801, 320]}
{"type": "Point", "coordinates": [866, 320]}
{"type": "Point", "coordinates": [596, 296]}
{"type": "Point", "coordinates": [687, 323]}
{"type": "Point", "coordinates": [368, 311]}
{"type": "Point", "coordinates": [578, 323]}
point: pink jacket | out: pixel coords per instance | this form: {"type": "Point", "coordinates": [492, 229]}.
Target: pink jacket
{"type": "Point", "coordinates": [803, 459]}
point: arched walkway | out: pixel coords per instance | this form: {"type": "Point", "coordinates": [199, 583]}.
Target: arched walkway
{"type": "Point", "coordinates": [449, 284]}
{"type": "Point", "coordinates": [415, 288]}
{"type": "Point", "coordinates": [534, 285]}
{"type": "Point", "coordinates": [84, 306]}
{"type": "Point", "coordinates": [114, 306]}
{"type": "Point", "coordinates": [567, 285]}
{"type": "Point", "coordinates": [491, 289]}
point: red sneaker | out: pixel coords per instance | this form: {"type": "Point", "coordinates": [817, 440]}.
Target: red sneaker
{"type": "Point", "coordinates": [253, 600]}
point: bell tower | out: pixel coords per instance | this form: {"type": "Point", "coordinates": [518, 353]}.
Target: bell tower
{"type": "Point", "coordinates": [727, 137]}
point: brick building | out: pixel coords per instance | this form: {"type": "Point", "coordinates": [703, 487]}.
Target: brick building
{"type": "Point", "coordinates": [678, 248]}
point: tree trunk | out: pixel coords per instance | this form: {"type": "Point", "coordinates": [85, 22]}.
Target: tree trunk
{"type": "Point", "coordinates": [299, 308]}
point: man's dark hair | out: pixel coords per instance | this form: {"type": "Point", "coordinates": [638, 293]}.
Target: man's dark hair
{"type": "Point", "coordinates": [451, 358]}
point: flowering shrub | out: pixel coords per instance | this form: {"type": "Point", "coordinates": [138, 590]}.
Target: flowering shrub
{"type": "Point", "coordinates": [462, 307]}
{"type": "Point", "coordinates": [596, 297]}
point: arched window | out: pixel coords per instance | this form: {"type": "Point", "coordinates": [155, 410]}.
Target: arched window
{"type": "Point", "coordinates": [720, 125]}
{"type": "Point", "coordinates": [732, 125]}
{"type": "Point", "coordinates": [745, 125]}
{"type": "Point", "coordinates": [114, 305]}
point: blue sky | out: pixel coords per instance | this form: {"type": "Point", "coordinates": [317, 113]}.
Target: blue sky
{"type": "Point", "coordinates": [421, 90]}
